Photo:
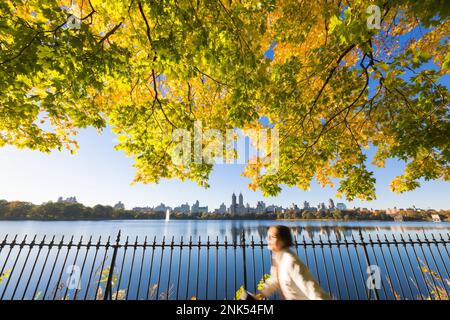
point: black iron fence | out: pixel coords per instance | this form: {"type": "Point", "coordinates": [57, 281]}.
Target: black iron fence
{"type": "Point", "coordinates": [356, 267]}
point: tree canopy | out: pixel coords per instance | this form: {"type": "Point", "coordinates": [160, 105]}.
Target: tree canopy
{"type": "Point", "coordinates": [335, 86]}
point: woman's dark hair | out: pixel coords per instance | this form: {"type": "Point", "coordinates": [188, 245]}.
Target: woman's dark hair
{"type": "Point", "coordinates": [284, 234]}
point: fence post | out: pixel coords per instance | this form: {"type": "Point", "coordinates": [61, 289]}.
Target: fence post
{"type": "Point", "coordinates": [108, 290]}
{"type": "Point", "coordinates": [243, 258]}
{"type": "Point", "coordinates": [363, 244]}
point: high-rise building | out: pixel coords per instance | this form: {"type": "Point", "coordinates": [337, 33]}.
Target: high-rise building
{"type": "Point", "coordinates": [274, 209]}
{"type": "Point", "coordinates": [249, 210]}
{"type": "Point", "coordinates": [331, 204]}
{"type": "Point", "coordinates": [233, 206]}
{"type": "Point", "coordinates": [260, 207]}
{"type": "Point", "coordinates": [237, 208]}
{"type": "Point", "coordinates": [341, 206]}
{"type": "Point", "coordinates": [119, 205]}
{"type": "Point", "coordinates": [294, 208]}
{"type": "Point", "coordinates": [222, 209]}
{"type": "Point", "coordinates": [197, 209]}
{"type": "Point", "coordinates": [161, 208]}
{"type": "Point", "coordinates": [68, 200]}
{"type": "Point", "coordinates": [184, 208]}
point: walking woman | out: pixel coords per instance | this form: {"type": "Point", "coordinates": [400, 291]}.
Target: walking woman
{"type": "Point", "coordinates": [288, 274]}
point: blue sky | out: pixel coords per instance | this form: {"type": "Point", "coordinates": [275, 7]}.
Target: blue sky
{"type": "Point", "coordinates": [99, 174]}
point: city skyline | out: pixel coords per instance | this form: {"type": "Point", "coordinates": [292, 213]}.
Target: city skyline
{"type": "Point", "coordinates": [98, 174]}
{"type": "Point", "coordinates": [239, 208]}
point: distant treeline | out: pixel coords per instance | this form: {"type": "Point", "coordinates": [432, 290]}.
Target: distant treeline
{"type": "Point", "coordinates": [19, 210]}
{"type": "Point", "coordinates": [361, 214]}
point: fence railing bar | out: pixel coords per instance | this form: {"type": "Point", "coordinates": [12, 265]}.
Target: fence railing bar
{"type": "Point", "coordinates": [30, 248]}
{"type": "Point", "coordinates": [141, 268]}
{"type": "Point", "coordinates": [262, 257]}
{"type": "Point", "coordinates": [360, 268]}
{"type": "Point", "coordinates": [160, 268]}
{"type": "Point", "coordinates": [316, 265]}
{"type": "Point", "coordinates": [108, 287]}
{"type": "Point", "coordinates": [131, 268]}
{"type": "Point", "coordinates": [429, 265]}
{"type": "Point", "coordinates": [378, 264]}
{"type": "Point", "coordinates": [388, 273]}
{"type": "Point", "coordinates": [3, 243]}
{"type": "Point", "coordinates": [366, 257]}
{"type": "Point", "coordinates": [204, 245]}
{"type": "Point", "coordinates": [119, 280]}
{"type": "Point", "coordinates": [189, 268]}
{"type": "Point", "coordinates": [440, 255]}
{"type": "Point", "coordinates": [74, 264]}
{"type": "Point", "coordinates": [179, 268]}
{"type": "Point", "coordinates": [405, 246]}
{"type": "Point", "coordinates": [151, 269]}
{"type": "Point", "coordinates": [253, 264]}
{"type": "Point", "coordinates": [324, 263]}
{"type": "Point", "coordinates": [10, 245]}
{"type": "Point", "coordinates": [100, 273]}
{"type": "Point", "coordinates": [33, 268]}
{"type": "Point", "coordinates": [306, 252]}
{"type": "Point", "coordinates": [226, 270]}
{"type": "Point", "coordinates": [82, 268]}
{"type": "Point", "coordinates": [405, 276]}
{"type": "Point", "coordinates": [244, 260]}
{"type": "Point", "coordinates": [437, 267]}
{"type": "Point", "coordinates": [343, 271]}
{"type": "Point", "coordinates": [207, 267]}
{"type": "Point", "coordinates": [235, 267]}
{"type": "Point", "coordinates": [198, 268]}
{"type": "Point", "coordinates": [444, 243]}
{"type": "Point", "coordinates": [334, 268]}
{"type": "Point", "coordinates": [216, 274]}
{"type": "Point", "coordinates": [53, 267]}
{"type": "Point", "coordinates": [14, 264]}
{"type": "Point", "coordinates": [170, 268]}
{"type": "Point", "coordinates": [88, 287]}
{"type": "Point", "coordinates": [402, 292]}
{"type": "Point", "coordinates": [62, 269]}
{"type": "Point", "coordinates": [421, 271]}
{"type": "Point", "coordinates": [346, 245]}
{"type": "Point", "coordinates": [42, 269]}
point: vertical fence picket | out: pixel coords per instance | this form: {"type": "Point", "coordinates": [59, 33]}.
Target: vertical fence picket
{"type": "Point", "coordinates": [30, 248]}
{"type": "Point", "coordinates": [108, 288]}
{"type": "Point", "coordinates": [244, 260]}
{"type": "Point", "coordinates": [366, 256]}
{"type": "Point", "coordinates": [144, 247]}
{"type": "Point", "coordinates": [77, 289]}
{"type": "Point", "coordinates": [131, 267]}
{"type": "Point", "coordinates": [22, 244]}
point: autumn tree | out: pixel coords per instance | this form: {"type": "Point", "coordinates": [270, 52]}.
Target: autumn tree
{"type": "Point", "coordinates": [340, 77]}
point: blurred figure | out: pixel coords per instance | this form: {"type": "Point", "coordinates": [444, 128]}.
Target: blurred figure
{"type": "Point", "coordinates": [288, 274]}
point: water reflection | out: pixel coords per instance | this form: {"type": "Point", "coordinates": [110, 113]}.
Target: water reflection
{"type": "Point", "coordinates": [229, 229]}
{"type": "Point", "coordinates": [217, 273]}
{"type": "Point", "coordinates": [342, 231]}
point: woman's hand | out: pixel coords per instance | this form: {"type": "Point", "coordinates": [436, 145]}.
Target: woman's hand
{"type": "Point", "coordinates": [259, 296]}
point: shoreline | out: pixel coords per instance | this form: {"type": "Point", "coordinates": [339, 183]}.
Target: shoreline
{"type": "Point", "coordinates": [218, 219]}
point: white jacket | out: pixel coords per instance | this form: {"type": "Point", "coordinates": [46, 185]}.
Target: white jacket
{"type": "Point", "coordinates": [291, 277]}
